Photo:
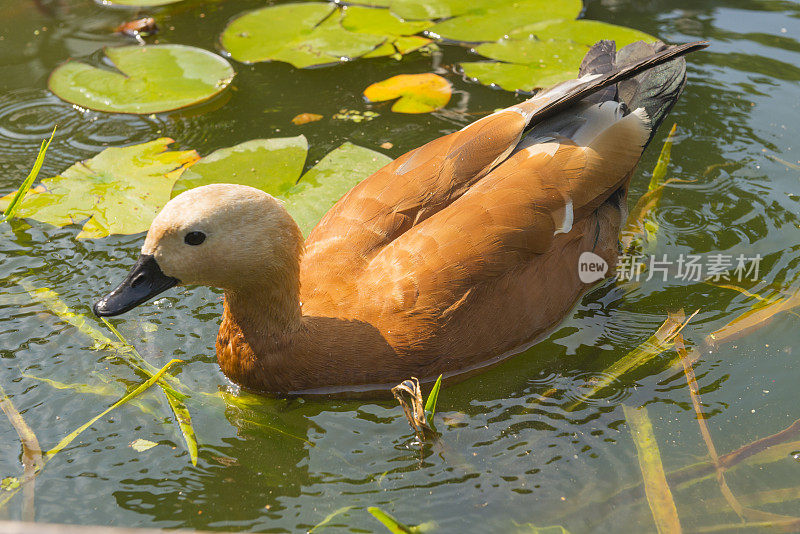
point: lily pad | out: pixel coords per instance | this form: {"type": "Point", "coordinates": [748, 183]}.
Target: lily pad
{"type": "Point", "coordinates": [301, 34]}
{"type": "Point", "coordinates": [119, 191]}
{"type": "Point", "coordinates": [543, 54]}
{"type": "Point", "coordinates": [317, 33]}
{"type": "Point", "coordinates": [143, 79]}
{"type": "Point", "coordinates": [416, 93]}
{"type": "Point", "coordinates": [275, 165]}
{"type": "Point", "coordinates": [326, 182]}
{"type": "Point", "coordinates": [497, 19]}
{"type": "Point", "coordinates": [272, 165]}
{"type": "Point", "coordinates": [586, 32]}
{"type": "Point", "coordinates": [380, 22]}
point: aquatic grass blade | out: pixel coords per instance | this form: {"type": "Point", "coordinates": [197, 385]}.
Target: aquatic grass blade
{"type": "Point", "coordinates": [143, 365]}
{"type": "Point", "coordinates": [694, 394]}
{"type": "Point", "coordinates": [757, 317]}
{"type": "Point", "coordinates": [47, 456]}
{"type": "Point", "coordinates": [655, 345]}
{"type": "Point", "coordinates": [19, 196]}
{"type": "Point", "coordinates": [660, 170]}
{"type": "Point", "coordinates": [395, 526]}
{"type": "Point", "coordinates": [32, 460]}
{"type": "Point", "coordinates": [659, 496]}
{"type": "Point", "coordinates": [433, 397]}
{"type": "Point", "coordinates": [184, 419]}
{"type": "Point", "coordinates": [329, 518]}
{"type": "Point", "coordinates": [52, 301]}
{"type": "Point", "coordinates": [141, 388]}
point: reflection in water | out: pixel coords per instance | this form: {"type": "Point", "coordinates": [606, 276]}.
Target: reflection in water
{"type": "Point", "coordinates": [510, 452]}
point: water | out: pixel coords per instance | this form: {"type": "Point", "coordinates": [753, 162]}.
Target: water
{"type": "Point", "coordinates": [510, 453]}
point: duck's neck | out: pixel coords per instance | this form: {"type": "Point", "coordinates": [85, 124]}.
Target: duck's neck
{"type": "Point", "coordinates": [257, 334]}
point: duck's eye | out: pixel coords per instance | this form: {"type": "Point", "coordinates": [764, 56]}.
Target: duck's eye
{"type": "Point", "coordinates": [194, 238]}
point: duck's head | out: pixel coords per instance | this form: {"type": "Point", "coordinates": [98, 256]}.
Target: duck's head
{"type": "Point", "coordinates": [229, 236]}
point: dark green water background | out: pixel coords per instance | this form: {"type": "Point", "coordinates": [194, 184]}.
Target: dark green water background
{"type": "Point", "coordinates": [507, 455]}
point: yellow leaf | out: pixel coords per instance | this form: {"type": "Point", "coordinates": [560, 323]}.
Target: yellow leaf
{"type": "Point", "coordinates": [416, 93]}
{"type": "Point", "coordinates": [305, 118]}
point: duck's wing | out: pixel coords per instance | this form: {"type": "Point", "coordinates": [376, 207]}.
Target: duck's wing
{"type": "Point", "coordinates": [509, 217]}
{"type": "Point", "coordinates": [426, 180]}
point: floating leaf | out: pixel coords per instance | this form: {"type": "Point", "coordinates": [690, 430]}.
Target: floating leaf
{"type": "Point", "coordinates": [305, 118]}
{"type": "Point", "coordinates": [416, 93]}
{"type": "Point", "coordinates": [19, 196]}
{"type": "Point", "coordinates": [301, 34]}
{"type": "Point", "coordinates": [380, 22]}
{"type": "Point", "coordinates": [499, 18]}
{"type": "Point", "coordinates": [539, 55]}
{"type": "Point", "coordinates": [528, 63]}
{"type": "Point", "coordinates": [659, 496]}
{"type": "Point", "coordinates": [326, 182]}
{"type": "Point", "coordinates": [147, 79]}
{"type": "Point", "coordinates": [272, 165]}
{"type": "Point", "coordinates": [140, 27]}
{"type": "Point", "coordinates": [119, 191]}
{"type": "Point", "coordinates": [141, 445]}
{"type": "Point", "coordinates": [586, 32]}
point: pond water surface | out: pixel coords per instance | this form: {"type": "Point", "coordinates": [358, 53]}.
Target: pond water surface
{"type": "Point", "coordinates": [510, 453]}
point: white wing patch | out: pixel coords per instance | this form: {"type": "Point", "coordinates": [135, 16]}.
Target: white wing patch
{"type": "Point", "coordinates": [568, 219]}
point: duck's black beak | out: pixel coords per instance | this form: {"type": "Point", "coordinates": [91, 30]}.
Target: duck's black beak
{"type": "Point", "coordinates": [146, 280]}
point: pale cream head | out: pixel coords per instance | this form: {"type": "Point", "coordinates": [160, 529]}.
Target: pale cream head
{"type": "Point", "coordinates": [249, 238]}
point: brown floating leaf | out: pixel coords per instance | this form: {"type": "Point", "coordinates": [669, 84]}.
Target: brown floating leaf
{"type": "Point", "coordinates": [659, 496]}
{"type": "Point", "coordinates": [141, 27]}
{"type": "Point", "coordinates": [750, 321]}
{"type": "Point", "coordinates": [416, 93]}
{"type": "Point", "coordinates": [305, 118]}
{"type": "Point", "coordinates": [387, 145]}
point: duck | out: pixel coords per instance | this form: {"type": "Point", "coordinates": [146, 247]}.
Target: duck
{"type": "Point", "coordinates": [447, 260]}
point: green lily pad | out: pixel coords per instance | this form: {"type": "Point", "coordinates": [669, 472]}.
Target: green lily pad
{"type": "Point", "coordinates": [301, 34]}
{"type": "Point", "coordinates": [543, 54]}
{"type": "Point", "coordinates": [380, 22]}
{"type": "Point", "coordinates": [498, 19]}
{"type": "Point", "coordinates": [147, 79]}
{"type": "Point", "coordinates": [272, 165]}
{"type": "Point", "coordinates": [119, 191]}
{"type": "Point", "coordinates": [513, 77]}
{"type": "Point", "coordinates": [586, 32]}
{"type": "Point", "coordinates": [326, 182]}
